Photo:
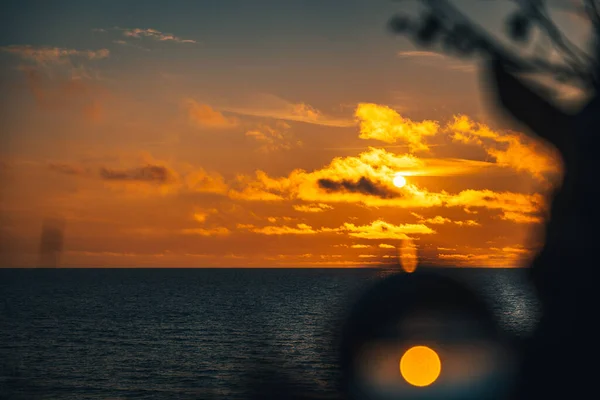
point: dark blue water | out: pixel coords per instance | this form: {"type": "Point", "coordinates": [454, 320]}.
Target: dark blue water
{"type": "Point", "coordinates": [190, 334]}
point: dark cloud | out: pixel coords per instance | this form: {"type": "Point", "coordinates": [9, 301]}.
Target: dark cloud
{"type": "Point", "coordinates": [68, 169]}
{"type": "Point", "coordinates": [363, 185]}
{"type": "Point", "coordinates": [148, 173]}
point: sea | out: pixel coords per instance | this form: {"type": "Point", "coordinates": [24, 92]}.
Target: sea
{"type": "Point", "coordinates": [194, 333]}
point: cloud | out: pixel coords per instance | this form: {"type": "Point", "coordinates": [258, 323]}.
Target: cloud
{"type": "Point", "coordinates": [383, 230]}
{"type": "Point", "coordinates": [363, 185]}
{"type": "Point", "coordinates": [45, 55]}
{"type": "Point", "coordinates": [518, 249]}
{"type": "Point", "coordinates": [153, 34]}
{"type": "Point", "coordinates": [517, 152]}
{"type": "Point", "coordinates": [520, 218]}
{"type": "Point", "coordinates": [201, 215]}
{"type": "Point", "coordinates": [129, 44]}
{"type": "Point", "coordinates": [274, 138]}
{"type": "Point", "coordinates": [386, 246]}
{"type": "Point", "coordinates": [81, 96]}
{"type": "Point", "coordinates": [149, 173]}
{"type": "Point", "coordinates": [368, 179]}
{"type": "Point", "coordinates": [206, 116]}
{"type": "Point", "coordinates": [312, 208]}
{"type": "Point", "coordinates": [439, 220]}
{"type": "Point", "coordinates": [464, 257]}
{"type": "Point", "coordinates": [67, 168]}
{"type": "Point", "coordinates": [270, 106]}
{"type": "Point", "coordinates": [144, 174]}
{"type": "Point", "coordinates": [508, 256]}
{"type": "Point", "coordinates": [505, 201]}
{"type": "Point", "coordinates": [360, 246]}
{"type": "Point", "coordinates": [275, 219]}
{"type": "Point", "coordinates": [434, 59]}
{"type": "Point", "coordinates": [220, 231]}
{"type": "Point", "coordinates": [376, 230]}
{"type": "Point", "coordinates": [200, 181]}
{"type": "Point", "coordinates": [299, 229]}
{"type": "Point", "coordinates": [384, 124]}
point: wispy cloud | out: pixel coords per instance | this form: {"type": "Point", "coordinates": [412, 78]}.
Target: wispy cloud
{"type": "Point", "coordinates": [129, 44]}
{"type": "Point", "coordinates": [439, 60]}
{"type": "Point", "coordinates": [53, 55]}
{"type": "Point", "coordinates": [312, 208]}
{"type": "Point", "coordinates": [271, 106]}
{"type": "Point", "coordinates": [206, 116]}
{"type": "Point", "coordinates": [274, 138]}
{"type": "Point", "coordinates": [153, 34]}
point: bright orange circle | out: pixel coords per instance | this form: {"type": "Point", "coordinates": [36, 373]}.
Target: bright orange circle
{"type": "Point", "coordinates": [420, 366]}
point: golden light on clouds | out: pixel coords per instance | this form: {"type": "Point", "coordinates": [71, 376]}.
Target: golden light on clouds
{"type": "Point", "coordinates": [384, 124]}
{"type": "Point", "coordinates": [238, 179]}
{"type": "Point", "coordinates": [420, 366]}
{"type": "Point", "coordinates": [206, 116]}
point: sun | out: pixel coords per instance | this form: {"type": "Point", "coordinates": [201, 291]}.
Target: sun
{"type": "Point", "coordinates": [399, 180]}
{"type": "Point", "coordinates": [420, 366]}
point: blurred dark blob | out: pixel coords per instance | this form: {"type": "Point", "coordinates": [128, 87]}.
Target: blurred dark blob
{"type": "Point", "coordinates": [424, 309]}
{"type": "Point", "coordinates": [51, 242]}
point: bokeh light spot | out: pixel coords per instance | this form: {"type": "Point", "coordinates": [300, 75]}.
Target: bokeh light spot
{"type": "Point", "coordinates": [420, 366]}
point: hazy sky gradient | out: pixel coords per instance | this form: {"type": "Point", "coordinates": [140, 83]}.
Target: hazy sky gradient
{"type": "Point", "coordinates": [236, 133]}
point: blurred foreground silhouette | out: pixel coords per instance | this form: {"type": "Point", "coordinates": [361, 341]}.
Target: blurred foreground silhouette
{"type": "Point", "coordinates": [560, 359]}
{"type": "Point", "coordinates": [51, 243]}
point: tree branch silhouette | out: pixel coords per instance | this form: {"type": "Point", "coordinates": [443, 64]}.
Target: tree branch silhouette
{"type": "Point", "coordinates": [445, 24]}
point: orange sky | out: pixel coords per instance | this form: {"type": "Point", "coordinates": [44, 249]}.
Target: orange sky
{"type": "Point", "coordinates": [192, 149]}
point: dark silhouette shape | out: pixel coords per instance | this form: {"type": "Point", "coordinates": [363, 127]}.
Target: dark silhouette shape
{"type": "Point", "coordinates": [51, 242]}
{"type": "Point", "coordinates": [563, 272]}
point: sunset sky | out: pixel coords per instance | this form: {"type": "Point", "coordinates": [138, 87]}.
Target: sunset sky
{"type": "Point", "coordinates": [256, 133]}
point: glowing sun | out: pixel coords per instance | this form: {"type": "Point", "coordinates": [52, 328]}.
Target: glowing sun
{"type": "Point", "coordinates": [420, 366]}
{"type": "Point", "coordinates": [399, 180]}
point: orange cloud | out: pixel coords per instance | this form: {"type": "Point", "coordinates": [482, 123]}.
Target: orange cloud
{"type": "Point", "coordinates": [201, 181]}
{"type": "Point", "coordinates": [439, 220]}
{"type": "Point", "coordinates": [300, 229]}
{"type": "Point", "coordinates": [271, 106]}
{"type": "Point", "coordinates": [140, 173]}
{"type": "Point", "coordinates": [312, 208]}
{"type": "Point", "coordinates": [220, 231]}
{"type": "Point", "coordinates": [368, 179]}
{"type": "Point", "coordinates": [384, 124]}
{"type": "Point", "coordinates": [274, 138]}
{"type": "Point", "coordinates": [518, 151]}
{"type": "Point", "coordinates": [202, 215]}
{"type": "Point", "coordinates": [383, 230]}
{"type": "Point", "coordinates": [66, 94]}
{"type": "Point", "coordinates": [204, 115]}
{"type": "Point", "coordinates": [520, 218]}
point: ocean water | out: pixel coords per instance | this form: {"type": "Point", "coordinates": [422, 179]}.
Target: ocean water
{"type": "Point", "coordinates": [192, 333]}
